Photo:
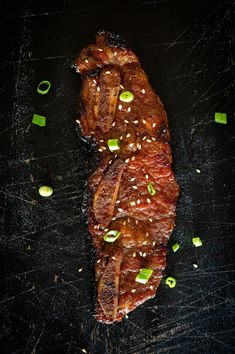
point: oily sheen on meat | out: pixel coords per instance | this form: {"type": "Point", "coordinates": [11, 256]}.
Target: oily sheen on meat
{"type": "Point", "coordinates": [134, 191]}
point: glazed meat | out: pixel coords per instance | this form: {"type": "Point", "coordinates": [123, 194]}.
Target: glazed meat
{"type": "Point", "coordinates": [134, 191]}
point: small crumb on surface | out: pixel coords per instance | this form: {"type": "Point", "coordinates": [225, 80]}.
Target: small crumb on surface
{"type": "Point", "coordinates": [80, 270]}
{"type": "Point", "coordinates": [195, 265]}
{"type": "Point", "coordinates": [143, 91]}
{"type": "Point", "coordinates": [198, 171]}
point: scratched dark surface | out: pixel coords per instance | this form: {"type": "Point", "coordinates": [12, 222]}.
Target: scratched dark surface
{"type": "Point", "coordinates": [46, 303]}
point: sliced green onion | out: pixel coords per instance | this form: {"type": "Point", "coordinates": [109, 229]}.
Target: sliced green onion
{"type": "Point", "coordinates": [126, 96]}
{"type": "Point", "coordinates": [221, 118]}
{"type": "Point", "coordinates": [171, 282]}
{"type": "Point", "coordinates": [113, 144]}
{"type": "Point", "coordinates": [45, 191]}
{"type": "Point", "coordinates": [151, 189]}
{"type": "Point", "coordinates": [197, 241]}
{"type": "Point", "coordinates": [143, 275]}
{"type": "Point", "coordinates": [39, 120]}
{"type": "Point", "coordinates": [175, 247]}
{"type": "Point", "coordinates": [43, 87]}
{"type": "Point", "coordinates": [111, 235]}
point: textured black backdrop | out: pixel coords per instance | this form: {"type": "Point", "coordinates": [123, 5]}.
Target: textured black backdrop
{"type": "Point", "coordinates": [46, 304]}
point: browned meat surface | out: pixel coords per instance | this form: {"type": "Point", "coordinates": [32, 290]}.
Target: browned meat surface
{"type": "Point", "coordinates": [120, 196]}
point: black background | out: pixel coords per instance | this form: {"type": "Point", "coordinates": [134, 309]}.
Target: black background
{"type": "Point", "coordinates": [46, 304]}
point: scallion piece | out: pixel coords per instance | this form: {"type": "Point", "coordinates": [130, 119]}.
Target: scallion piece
{"type": "Point", "coordinates": [175, 247]}
{"type": "Point", "coordinates": [43, 87]}
{"type": "Point", "coordinates": [45, 191]}
{"type": "Point", "coordinates": [151, 189]}
{"type": "Point", "coordinates": [143, 275]}
{"type": "Point", "coordinates": [39, 120]}
{"type": "Point", "coordinates": [221, 118]}
{"type": "Point", "coordinates": [126, 96]}
{"type": "Point", "coordinates": [171, 282]}
{"type": "Point", "coordinates": [197, 241]}
{"type": "Point", "coordinates": [113, 144]}
{"type": "Point", "coordinates": [111, 235]}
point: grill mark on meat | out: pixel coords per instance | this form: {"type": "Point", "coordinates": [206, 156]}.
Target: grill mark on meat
{"type": "Point", "coordinates": [119, 186]}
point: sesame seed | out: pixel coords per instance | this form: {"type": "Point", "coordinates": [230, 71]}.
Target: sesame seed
{"type": "Point", "coordinates": [140, 254]}
{"type": "Point", "coordinates": [144, 121]}
{"type": "Point", "coordinates": [128, 109]}
{"type": "Point", "coordinates": [127, 160]}
{"type": "Point", "coordinates": [115, 156]}
{"type": "Point", "coordinates": [96, 227]}
{"type": "Point", "coordinates": [86, 61]}
{"type": "Point", "coordinates": [95, 82]}
{"type": "Point", "coordinates": [100, 149]}
{"type": "Point", "coordinates": [106, 230]}
{"type": "Point", "coordinates": [113, 124]}
{"type": "Point", "coordinates": [145, 243]}
{"type": "Point", "coordinates": [101, 141]}
{"type": "Point", "coordinates": [128, 220]}
{"type": "Point", "coordinates": [126, 316]}
{"type": "Point", "coordinates": [154, 139]}
{"type": "Point", "coordinates": [119, 107]}
{"type": "Point", "coordinates": [124, 223]}
{"type": "Point", "coordinates": [121, 137]}
{"type": "Point", "coordinates": [148, 200]}
{"type": "Point", "coordinates": [148, 140]}
{"type": "Point", "coordinates": [84, 350]}
{"type": "Point", "coordinates": [154, 125]}
{"type": "Point", "coordinates": [80, 270]}
{"type": "Point", "coordinates": [195, 265]}
{"type": "Point", "coordinates": [98, 261]}
{"type": "Point", "coordinates": [154, 243]}
{"type": "Point", "coordinates": [133, 290]}
{"type": "Point", "coordinates": [110, 161]}
{"type": "Point", "coordinates": [132, 144]}
{"type": "Point", "coordinates": [126, 121]}
{"type": "Point", "coordinates": [137, 222]}
{"type": "Point", "coordinates": [133, 158]}
{"type": "Point", "coordinates": [122, 87]}
{"type": "Point", "coordinates": [132, 179]}
{"type": "Point", "coordinates": [114, 258]}
{"type": "Point", "coordinates": [98, 88]}
{"type": "Point", "coordinates": [108, 72]}
{"type": "Point", "coordinates": [144, 254]}
{"type": "Point", "coordinates": [134, 254]}
{"type": "Point", "coordinates": [138, 201]}
{"type": "Point", "coordinates": [143, 90]}
{"type": "Point", "coordinates": [136, 122]}
{"type": "Point", "coordinates": [198, 171]}
{"type": "Point", "coordinates": [118, 201]}
{"type": "Point", "coordinates": [114, 218]}
{"type": "Point", "coordinates": [147, 176]}
{"type": "Point", "coordinates": [151, 287]}
{"type": "Point", "coordinates": [132, 203]}
{"type": "Point", "coordinates": [134, 187]}
{"type": "Point", "coordinates": [144, 138]}
{"type": "Point", "coordinates": [139, 146]}
{"type": "Point", "coordinates": [128, 135]}
{"type": "Point", "coordinates": [147, 234]}
{"type": "Point", "coordinates": [150, 219]}
{"type": "Point", "coordinates": [120, 209]}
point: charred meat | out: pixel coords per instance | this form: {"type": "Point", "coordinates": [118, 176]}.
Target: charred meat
{"type": "Point", "coordinates": [134, 191]}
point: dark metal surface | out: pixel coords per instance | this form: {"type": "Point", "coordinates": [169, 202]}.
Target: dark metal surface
{"type": "Point", "coordinates": [46, 303]}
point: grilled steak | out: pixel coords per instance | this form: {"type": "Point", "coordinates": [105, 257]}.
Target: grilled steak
{"type": "Point", "coordinates": [134, 191]}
